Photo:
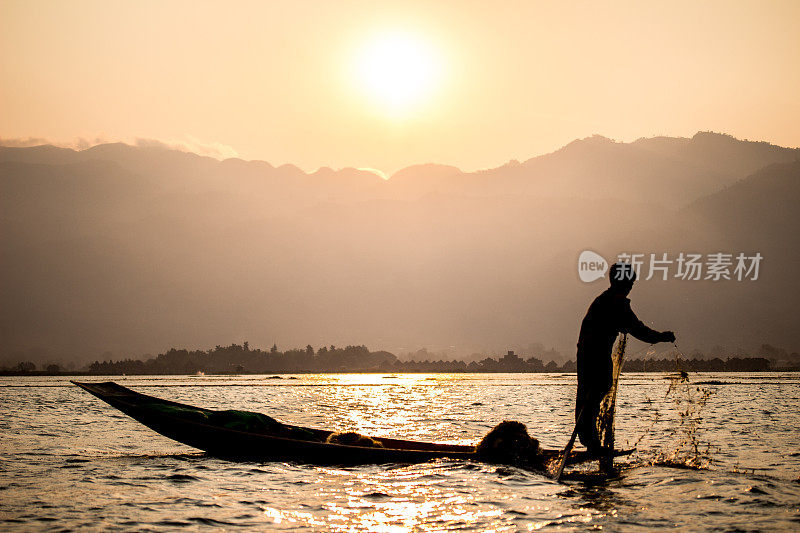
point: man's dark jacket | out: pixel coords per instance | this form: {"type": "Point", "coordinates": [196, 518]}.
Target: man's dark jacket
{"type": "Point", "coordinates": [609, 315]}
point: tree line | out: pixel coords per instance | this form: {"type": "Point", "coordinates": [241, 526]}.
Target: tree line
{"type": "Point", "coordinates": [242, 359]}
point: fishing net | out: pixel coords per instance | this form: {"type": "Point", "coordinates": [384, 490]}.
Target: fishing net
{"type": "Point", "coordinates": [605, 419]}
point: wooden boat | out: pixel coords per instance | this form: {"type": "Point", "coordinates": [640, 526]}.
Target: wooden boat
{"type": "Point", "coordinates": [204, 429]}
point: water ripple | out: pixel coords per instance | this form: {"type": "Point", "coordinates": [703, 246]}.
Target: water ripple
{"type": "Point", "coordinates": [105, 471]}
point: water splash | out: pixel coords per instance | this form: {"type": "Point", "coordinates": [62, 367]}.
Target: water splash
{"type": "Point", "coordinates": [687, 449]}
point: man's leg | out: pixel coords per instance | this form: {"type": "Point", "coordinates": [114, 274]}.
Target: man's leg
{"type": "Point", "coordinates": [586, 413]}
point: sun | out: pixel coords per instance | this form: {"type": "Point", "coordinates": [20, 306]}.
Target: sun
{"type": "Point", "coordinates": [397, 71]}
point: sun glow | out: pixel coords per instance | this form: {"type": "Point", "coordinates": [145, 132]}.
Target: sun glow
{"type": "Point", "coordinates": [397, 71]}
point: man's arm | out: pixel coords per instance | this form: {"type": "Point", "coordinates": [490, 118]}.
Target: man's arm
{"type": "Point", "coordinates": [634, 326]}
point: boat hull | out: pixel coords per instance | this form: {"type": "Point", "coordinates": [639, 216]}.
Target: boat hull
{"type": "Point", "coordinates": [231, 443]}
{"type": "Point", "coordinates": [235, 444]}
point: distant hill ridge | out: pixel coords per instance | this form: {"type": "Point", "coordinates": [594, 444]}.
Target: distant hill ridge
{"type": "Point", "coordinates": [674, 169]}
{"type": "Point", "coordinates": [134, 249]}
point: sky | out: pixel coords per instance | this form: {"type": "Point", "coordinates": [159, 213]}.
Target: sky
{"type": "Point", "coordinates": [388, 84]}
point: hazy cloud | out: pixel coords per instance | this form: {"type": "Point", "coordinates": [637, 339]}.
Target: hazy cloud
{"type": "Point", "coordinates": [24, 142]}
{"type": "Point", "coordinates": [375, 171]}
{"type": "Point", "coordinates": [80, 143]}
{"type": "Point", "coordinates": [210, 149]}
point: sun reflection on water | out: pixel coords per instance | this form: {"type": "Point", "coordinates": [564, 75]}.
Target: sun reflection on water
{"type": "Point", "coordinates": [407, 498]}
{"type": "Point", "coordinates": [392, 405]}
{"type": "Point", "coordinates": [380, 379]}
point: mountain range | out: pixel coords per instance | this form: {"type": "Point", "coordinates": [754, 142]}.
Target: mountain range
{"type": "Point", "coordinates": [135, 249]}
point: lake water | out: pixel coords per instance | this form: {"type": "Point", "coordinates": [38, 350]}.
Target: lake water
{"type": "Point", "coordinates": [69, 461]}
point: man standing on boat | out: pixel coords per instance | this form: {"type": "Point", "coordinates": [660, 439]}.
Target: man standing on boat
{"type": "Point", "coordinates": [608, 315]}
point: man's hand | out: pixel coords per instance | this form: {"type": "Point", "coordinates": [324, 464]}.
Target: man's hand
{"type": "Point", "coordinates": [667, 336]}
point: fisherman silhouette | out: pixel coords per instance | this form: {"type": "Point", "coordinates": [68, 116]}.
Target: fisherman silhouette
{"type": "Point", "coordinates": [609, 314]}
